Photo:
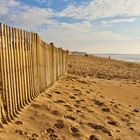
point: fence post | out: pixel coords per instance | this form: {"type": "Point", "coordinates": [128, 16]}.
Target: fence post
{"type": "Point", "coordinates": [3, 106]}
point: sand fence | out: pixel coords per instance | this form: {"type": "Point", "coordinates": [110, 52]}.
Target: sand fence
{"type": "Point", "coordinates": [28, 66]}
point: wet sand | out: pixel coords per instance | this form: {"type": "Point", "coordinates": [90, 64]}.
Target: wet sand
{"type": "Point", "coordinates": [98, 99]}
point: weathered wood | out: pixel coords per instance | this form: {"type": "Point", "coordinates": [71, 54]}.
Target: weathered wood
{"type": "Point", "coordinates": [10, 73]}
{"type": "Point", "coordinates": [3, 106]}
{"type": "Point", "coordinates": [14, 91]}
{"type": "Point", "coordinates": [32, 59]}
{"type": "Point", "coordinates": [27, 67]}
{"type": "Point", "coordinates": [21, 67]}
{"type": "Point", "coordinates": [8, 64]}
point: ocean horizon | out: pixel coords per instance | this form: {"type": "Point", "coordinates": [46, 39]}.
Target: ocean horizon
{"type": "Point", "coordinates": [123, 57]}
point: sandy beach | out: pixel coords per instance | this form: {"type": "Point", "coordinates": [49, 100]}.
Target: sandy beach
{"type": "Point", "coordinates": [96, 99]}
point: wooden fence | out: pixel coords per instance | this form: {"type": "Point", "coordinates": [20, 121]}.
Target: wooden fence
{"type": "Point", "coordinates": [27, 67]}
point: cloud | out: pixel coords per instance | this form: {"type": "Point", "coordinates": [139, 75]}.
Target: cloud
{"type": "Point", "coordinates": [25, 16]}
{"type": "Point", "coordinates": [125, 20]}
{"type": "Point", "coordinates": [80, 35]}
{"type": "Point", "coordinates": [46, 2]}
{"type": "Point", "coordinates": [96, 9]}
{"type": "Point", "coordinates": [7, 5]}
{"type": "Point", "coordinates": [32, 17]}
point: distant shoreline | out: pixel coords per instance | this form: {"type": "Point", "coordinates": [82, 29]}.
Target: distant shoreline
{"type": "Point", "coordinates": [135, 58]}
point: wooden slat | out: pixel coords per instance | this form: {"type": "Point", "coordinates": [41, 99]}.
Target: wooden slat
{"type": "Point", "coordinates": [21, 71]}
{"type": "Point", "coordinates": [18, 84]}
{"type": "Point", "coordinates": [4, 110]}
{"type": "Point", "coordinates": [13, 82]}
{"type": "Point", "coordinates": [27, 65]}
{"type": "Point", "coordinates": [8, 52]}
{"type": "Point", "coordinates": [37, 63]}
{"type": "Point", "coordinates": [15, 52]}
{"type": "Point", "coordinates": [30, 67]}
{"type": "Point", "coordinates": [20, 68]}
{"type": "Point", "coordinates": [9, 60]}
{"type": "Point", "coordinates": [24, 67]}
{"type": "Point", "coordinates": [33, 64]}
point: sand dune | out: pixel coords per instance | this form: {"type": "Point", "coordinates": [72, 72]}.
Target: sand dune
{"type": "Point", "coordinates": [98, 99]}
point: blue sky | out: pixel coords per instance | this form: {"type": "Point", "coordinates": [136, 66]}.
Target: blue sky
{"type": "Point", "coordinates": [94, 26]}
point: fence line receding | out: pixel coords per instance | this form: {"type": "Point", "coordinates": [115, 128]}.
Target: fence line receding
{"type": "Point", "coordinates": [28, 66]}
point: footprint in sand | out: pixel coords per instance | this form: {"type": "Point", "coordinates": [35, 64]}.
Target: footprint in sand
{"type": "Point", "coordinates": [102, 96]}
{"type": "Point", "coordinates": [106, 109]}
{"type": "Point", "coordinates": [93, 137]}
{"type": "Point", "coordinates": [59, 124]}
{"type": "Point", "coordinates": [127, 115]}
{"type": "Point", "coordinates": [112, 102]}
{"type": "Point", "coordinates": [99, 127]}
{"type": "Point", "coordinates": [76, 94]}
{"type": "Point", "coordinates": [135, 110]}
{"type": "Point", "coordinates": [83, 82]}
{"type": "Point", "coordinates": [84, 107]}
{"type": "Point", "coordinates": [116, 106]}
{"type": "Point", "coordinates": [78, 111]}
{"type": "Point", "coordinates": [91, 111]}
{"type": "Point", "coordinates": [74, 131]}
{"type": "Point", "coordinates": [49, 96]}
{"type": "Point", "coordinates": [98, 103]}
{"type": "Point", "coordinates": [53, 136]}
{"type": "Point", "coordinates": [18, 122]}
{"type": "Point", "coordinates": [55, 112]}
{"type": "Point", "coordinates": [77, 101]}
{"type": "Point", "coordinates": [68, 108]}
{"type": "Point", "coordinates": [87, 92]}
{"type": "Point", "coordinates": [51, 133]}
{"type": "Point", "coordinates": [113, 122]}
{"type": "Point", "coordinates": [24, 133]}
{"type": "Point", "coordinates": [57, 92]}
{"type": "Point", "coordinates": [131, 128]}
{"type": "Point", "coordinates": [125, 119]}
{"type": "Point", "coordinates": [72, 97]}
{"type": "Point", "coordinates": [34, 135]}
{"type": "Point", "coordinates": [59, 101]}
{"type": "Point", "coordinates": [95, 126]}
{"type": "Point", "coordinates": [91, 90]}
{"type": "Point", "coordinates": [20, 132]}
{"type": "Point", "coordinates": [36, 106]}
{"type": "Point", "coordinates": [78, 91]}
{"type": "Point", "coordinates": [70, 117]}
{"type": "Point", "coordinates": [77, 106]}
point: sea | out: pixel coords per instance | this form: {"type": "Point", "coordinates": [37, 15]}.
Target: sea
{"type": "Point", "coordinates": [123, 57]}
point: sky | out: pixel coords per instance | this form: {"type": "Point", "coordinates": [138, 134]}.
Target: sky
{"type": "Point", "coordinates": [92, 26]}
